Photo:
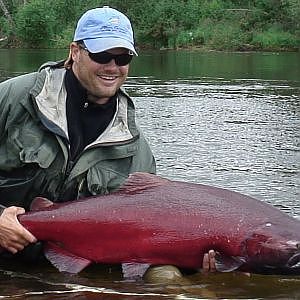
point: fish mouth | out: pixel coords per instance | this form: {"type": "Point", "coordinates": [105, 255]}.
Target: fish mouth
{"type": "Point", "coordinates": [294, 261]}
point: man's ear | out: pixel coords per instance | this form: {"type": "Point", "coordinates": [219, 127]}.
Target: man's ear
{"type": "Point", "coordinates": [74, 51]}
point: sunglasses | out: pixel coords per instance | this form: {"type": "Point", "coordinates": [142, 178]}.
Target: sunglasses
{"type": "Point", "coordinates": [105, 57]}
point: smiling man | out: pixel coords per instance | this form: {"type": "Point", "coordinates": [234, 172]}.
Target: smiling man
{"type": "Point", "coordinates": [68, 131]}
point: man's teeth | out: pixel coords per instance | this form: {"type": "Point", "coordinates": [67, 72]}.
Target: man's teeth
{"type": "Point", "coordinates": [108, 77]}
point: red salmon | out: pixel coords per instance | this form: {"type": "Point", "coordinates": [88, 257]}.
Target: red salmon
{"type": "Point", "coordinates": [152, 221]}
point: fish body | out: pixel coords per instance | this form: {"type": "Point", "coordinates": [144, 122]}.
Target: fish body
{"type": "Point", "coordinates": [154, 221]}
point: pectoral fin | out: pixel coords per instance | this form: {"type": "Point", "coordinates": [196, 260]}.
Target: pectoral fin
{"type": "Point", "coordinates": [134, 270]}
{"type": "Point", "coordinates": [63, 260]}
{"type": "Point", "coordinates": [228, 263]}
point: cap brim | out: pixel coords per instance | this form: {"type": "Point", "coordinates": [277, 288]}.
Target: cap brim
{"type": "Point", "coordinates": [104, 44]}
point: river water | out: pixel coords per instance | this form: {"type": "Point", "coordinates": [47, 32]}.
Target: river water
{"type": "Point", "coordinates": [230, 120]}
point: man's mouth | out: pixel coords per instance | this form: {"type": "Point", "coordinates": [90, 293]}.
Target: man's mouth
{"type": "Point", "coordinates": [108, 77]}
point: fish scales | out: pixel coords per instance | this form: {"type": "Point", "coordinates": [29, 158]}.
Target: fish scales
{"type": "Point", "coordinates": [157, 221]}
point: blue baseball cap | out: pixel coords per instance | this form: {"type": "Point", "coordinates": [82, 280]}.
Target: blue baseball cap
{"type": "Point", "coordinates": [104, 28]}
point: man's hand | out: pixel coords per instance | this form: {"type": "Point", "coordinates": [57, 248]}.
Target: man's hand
{"type": "Point", "coordinates": [209, 262]}
{"type": "Point", "coordinates": [13, 236]}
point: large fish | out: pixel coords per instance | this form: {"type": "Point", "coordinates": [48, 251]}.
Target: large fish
{"type": "Point", "coordinates": [152, 221]}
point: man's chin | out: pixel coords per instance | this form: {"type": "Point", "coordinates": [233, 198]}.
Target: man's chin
{"type": "Point", "coordinates": [100, 99]}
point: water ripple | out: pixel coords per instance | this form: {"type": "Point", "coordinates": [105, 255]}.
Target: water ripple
{"type": "Point", "coordinates": [237, 134]}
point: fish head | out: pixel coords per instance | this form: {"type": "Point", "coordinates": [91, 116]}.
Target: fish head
{"type": "Point", "coordinates": [273, 254]}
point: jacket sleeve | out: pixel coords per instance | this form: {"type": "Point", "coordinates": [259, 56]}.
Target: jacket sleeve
{"type": "Point", "coordinates": [144, 160]}
{"type": "Point", "coordinates": [11, 92]}
{"type": "Point", "coordinates": [5, 90]}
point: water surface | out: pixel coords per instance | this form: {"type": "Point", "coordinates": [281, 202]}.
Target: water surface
{"type": "Point", "coordinates": [230, 120]}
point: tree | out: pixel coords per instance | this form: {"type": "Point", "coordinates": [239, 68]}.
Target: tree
{"type": "Point", "coordinates": [34, 23]}
{"type": "Point", "coordinates": [7, 14]}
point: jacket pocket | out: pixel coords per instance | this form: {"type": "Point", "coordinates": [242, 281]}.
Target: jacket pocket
{"type": "Point", "coordinates": [30, 144]}
{"type": "Point", "coordinates": [106, 177]}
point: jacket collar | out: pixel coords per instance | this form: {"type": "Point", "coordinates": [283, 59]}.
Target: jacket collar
{"type": "Point", "coordinates": [50, 97]}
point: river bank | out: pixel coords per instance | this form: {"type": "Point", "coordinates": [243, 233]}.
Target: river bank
{"type": "Point", "coordinates": [5, 44]}
{"type": "Point", "coordinates": [224, 25]}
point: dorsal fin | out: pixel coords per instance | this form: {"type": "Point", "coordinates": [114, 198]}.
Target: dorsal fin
{"type": "Point", "coordinates": [40, 203]}
{"type": "Point", "coordinates": [139, 181]}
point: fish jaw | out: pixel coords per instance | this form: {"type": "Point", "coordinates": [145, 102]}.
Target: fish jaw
{"type": "Point", "coordinates": [273, 255]}
{"type": "Point", "coordinates": [294, 262]}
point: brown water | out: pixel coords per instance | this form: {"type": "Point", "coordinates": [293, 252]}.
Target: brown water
{"type": "Point", "coordinates": [225, 119]}
{"type": "Point", "coordinates": [43, 282]}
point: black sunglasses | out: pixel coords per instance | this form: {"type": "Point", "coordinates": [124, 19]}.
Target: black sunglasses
{"type": "Point", "coordinates": [105, 57]}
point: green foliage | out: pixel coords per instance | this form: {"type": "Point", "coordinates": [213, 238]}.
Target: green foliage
{"type": "Point", "coordinates": [63, 38]}
{"type": "Point", "coordinates": [213, 9]}
{"type": "Point", "coordinates": [4, 27]}
{"type": "Point", "coordinates": [214, 24]}
{"type": "Point", "coordinates": [293, 13]}
{"type": "Point", "coordinates": [225, 35]}
{"type": "Point", "coordinates": [275, 38]}
{"type": "Point", "coordinates": [34, 24]}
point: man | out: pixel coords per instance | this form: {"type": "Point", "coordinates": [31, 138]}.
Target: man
{"type": "Point", "coordinates": [68, 130]}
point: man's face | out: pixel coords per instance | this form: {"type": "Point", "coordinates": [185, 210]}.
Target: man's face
{"type": "Point", "coordinates": [101, 80]}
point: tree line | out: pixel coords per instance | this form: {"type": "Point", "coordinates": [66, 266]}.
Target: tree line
{"type": "Point", "coordinates": [207, 24]}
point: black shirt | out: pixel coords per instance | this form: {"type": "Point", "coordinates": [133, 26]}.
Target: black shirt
{"type": "Point", "coordinates": [86, 120]}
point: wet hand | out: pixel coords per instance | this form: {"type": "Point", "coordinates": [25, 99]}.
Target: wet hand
{"type": "Point", "coordinates": [209, 262]}
{"type": "Point", "coordinates": [13, 236]}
